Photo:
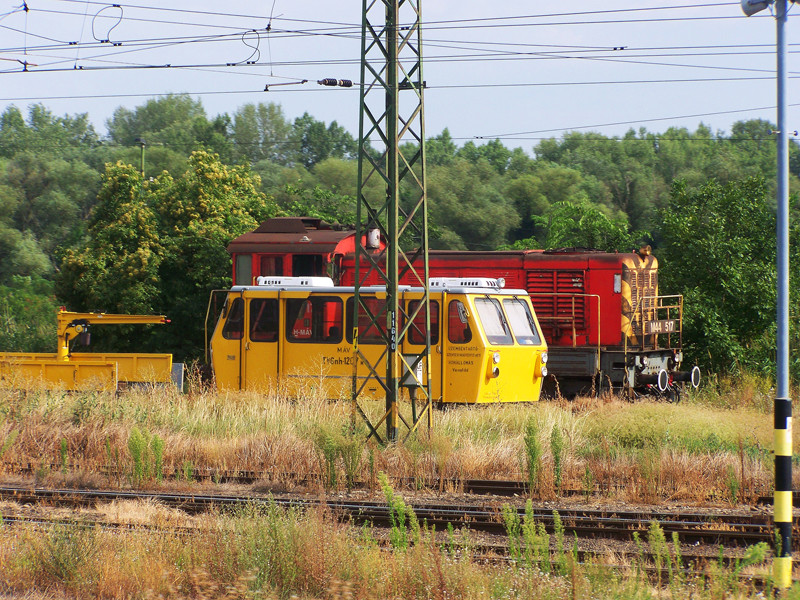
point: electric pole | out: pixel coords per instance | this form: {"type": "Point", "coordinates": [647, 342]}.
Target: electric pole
{"type": "Point", "coordinates": [391, 115]}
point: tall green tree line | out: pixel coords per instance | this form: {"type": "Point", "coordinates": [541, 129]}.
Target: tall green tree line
{"type": "Point", "coordinates": [80, 225]}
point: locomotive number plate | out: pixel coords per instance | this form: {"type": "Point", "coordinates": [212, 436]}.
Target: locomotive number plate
{"type": "Point", "coordinates": [667, 326]}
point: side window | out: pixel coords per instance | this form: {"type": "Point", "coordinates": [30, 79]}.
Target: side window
{"type": "Point", "coordinates": [315, 319]}
{"type": "Point", "coordinates": [521, 320]}
{"type": "Point", "coordinates": [234, 323]}
{"type": "Point", "coordinates": [416, 333]}
{"type": "Point", "coordinates": [244, 269]}
{"type": "Point", "coordinates": [458, 330]}
{"type": "Point", "coordinates": [368, 332]}
{"type": "Point", "coordinates": [271, 265]}
{"type": "Point", "coordinates": [264, 320]}
{"type": "Point", "coordinates": [493, 321]}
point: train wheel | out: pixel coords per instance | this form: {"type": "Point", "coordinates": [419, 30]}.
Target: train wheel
{"type": "Point", "coordinates": [673, 394]}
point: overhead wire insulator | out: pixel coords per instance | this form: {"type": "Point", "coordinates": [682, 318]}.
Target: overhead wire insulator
{"type": "Point", "coordinates": [331, 82]}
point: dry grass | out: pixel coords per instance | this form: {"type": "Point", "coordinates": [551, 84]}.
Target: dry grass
{"type": "Point", "coordinates": [269, 552]}
{"type": "Point", "coordinates": [698, 450]}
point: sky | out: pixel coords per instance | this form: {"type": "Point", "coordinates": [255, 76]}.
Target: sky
{"type": "Point", "coordinates": [518, 70]}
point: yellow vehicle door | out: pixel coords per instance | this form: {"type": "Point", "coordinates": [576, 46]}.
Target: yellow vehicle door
{"type": "Point", "coordinates": [462, 353]}
{"type": "Point", "coordinates": [414, 346]}
{"type": "Point", "coordinates": [261, 345]}
{"type": "Point", "coordinates": [227, 344]}
{"type": "Point", "coordinates": [315, 360]}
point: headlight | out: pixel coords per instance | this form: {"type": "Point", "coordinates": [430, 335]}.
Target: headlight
{"type": "Point", "coordinates": [544, 358]}
{"type": "Point", "coordinates": [496, 357]}
{"type": "Point", "coordinates": [544, 371]}
{"type": "Point", "coordinates": [644, 361]}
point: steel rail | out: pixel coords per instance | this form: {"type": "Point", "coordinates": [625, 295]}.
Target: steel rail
{"type": "Point", "coordinates": [731, 530]}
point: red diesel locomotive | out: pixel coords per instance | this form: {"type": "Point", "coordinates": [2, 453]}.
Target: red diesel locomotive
{"type": "Point", "coordinates": [603, 318]}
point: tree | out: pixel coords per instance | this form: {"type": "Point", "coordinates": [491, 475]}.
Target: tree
{"type": "Point", "coordinates": [719, 252]}
{"type": "Point", "coordinates": [313, 142]}
{"type": "Point", "coordinates": [44, 133]}
{"type": "Point", "coordinates": [159, 247]}
{"type": "Point", "coordinates": [175, 121]}
{"type": "Point", "coordinates": [53, 197]}
{"type": "Point", "coordinates": [567, 224]}
{"type": "Point", "coordinates": [27, 315]}
{"type": "Point", "coordinates": [199, 214]}
{"type": "Point", "coordinates": [118, 270]}
{"type": "Point", "coordinates": [440, 149]}
{"type": "Point", "coordinates": [494, 152]}
{"type": "Point", "coordinates": [467, 207]}
{"type": "Point", "coordinates": [261, 132]}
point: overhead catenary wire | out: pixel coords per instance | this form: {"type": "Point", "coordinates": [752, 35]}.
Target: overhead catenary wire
{"type": "Point", "coordinates": [507, 52]}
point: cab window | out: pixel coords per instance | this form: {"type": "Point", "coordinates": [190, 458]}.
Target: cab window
{"type": "Point", "coordinates": [263, 320]}
{"type": "Point", "coordinates": [368, 332]}
{"type": "Point", "coordinates": [315, 319]}
{"type": "Point", "coordinates": [458, 329]}
{"type": "Point", "coordinates": [521, 320]}
{"type": "Point", "coordinates": [416, 333]}
{"type": "Point", "coordinates": [234, 323]}
{"type": "Point", "coordinates": [490, 314]}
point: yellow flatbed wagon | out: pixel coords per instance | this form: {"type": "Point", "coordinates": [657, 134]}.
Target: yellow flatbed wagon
{"type": "Point", "coordinates": [73, 371]}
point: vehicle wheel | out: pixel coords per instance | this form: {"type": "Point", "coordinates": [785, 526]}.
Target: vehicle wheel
{"type": "Point", "coordinates": [673, 394]}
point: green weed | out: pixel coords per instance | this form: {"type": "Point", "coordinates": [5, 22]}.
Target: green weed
{"type": "Point", "coordinates": [533, 454]}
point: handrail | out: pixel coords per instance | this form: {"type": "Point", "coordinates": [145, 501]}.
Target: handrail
{"type": "Point", "coordinates": [572, 318]}
{"type": "Point", "coordinates": [659, 304]}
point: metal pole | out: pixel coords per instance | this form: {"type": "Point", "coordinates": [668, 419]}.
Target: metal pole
{"type": "Point", "coordinates": [392, 217]}
{"type": "Point", "coordinates": [782, 564]}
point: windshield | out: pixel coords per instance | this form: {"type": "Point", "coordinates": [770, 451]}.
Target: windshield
{"type": "Point", "coordinates": [493, 321]}
{"type": "Point", "coordinates": [521, 321]}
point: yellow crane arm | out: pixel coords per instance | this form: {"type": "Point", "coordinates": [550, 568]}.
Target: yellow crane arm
{"type": "Point", "coordinates": [72, 324]}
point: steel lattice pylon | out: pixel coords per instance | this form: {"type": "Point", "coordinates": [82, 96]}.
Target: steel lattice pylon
{"type": "Point", "coordinates": [391, 114]}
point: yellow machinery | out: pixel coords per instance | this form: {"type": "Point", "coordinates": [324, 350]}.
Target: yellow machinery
{"type": "Point", "coordinates": [67, 370]}
{"type": "Point", "coordinates": [295, 335]}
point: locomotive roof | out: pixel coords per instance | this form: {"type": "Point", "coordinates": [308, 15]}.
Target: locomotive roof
{"type": "Point", "coordinates": [295, 235]}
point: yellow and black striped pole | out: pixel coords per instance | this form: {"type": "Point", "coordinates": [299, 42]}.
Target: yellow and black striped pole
{"type": "Point", "coordinates": [782, 565]}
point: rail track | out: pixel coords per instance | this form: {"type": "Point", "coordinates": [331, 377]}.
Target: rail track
{"type": "Point", "coordinates": [245, 477]}
{"type": "Point", "coordinates": [587, 534]}
{"type": "Point", "coordinates": [730, 529]}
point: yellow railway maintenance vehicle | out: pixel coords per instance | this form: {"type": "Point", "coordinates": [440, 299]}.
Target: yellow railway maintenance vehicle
{"type": "Point", "coordinates": [86, 371]}
{"type": "Point", "coordinates": [289, 333]}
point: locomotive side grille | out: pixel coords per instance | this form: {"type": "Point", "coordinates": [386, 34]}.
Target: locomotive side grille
{"type": "Point", "coordinates": [644, 286]}
{"type": "Point", "coordinates": [556, 305]}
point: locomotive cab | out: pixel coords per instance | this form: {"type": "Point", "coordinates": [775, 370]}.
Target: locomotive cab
{"type": "Point", "coordinates": [296, 334]}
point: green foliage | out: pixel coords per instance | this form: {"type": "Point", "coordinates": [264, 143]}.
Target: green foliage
{"type": "Point", "coordinates": [118, 270]}
{"type": "Point", "coordinates": [658, 547]}
{"type": "Point", "coordinates": [566, 225]}
{"type": "Point", "coordinates": [63, 552]}
{"type": "Point", "coordinates": [261, 132]}
{"type": "Point", "coordinates": [351, 451]}
{"type": "Point", "coordinates": [513, 530]}
{"type": "Point", "coordinates": [176, 121]}
{"type": "Point", "coordinates": [27, 316]}
{"type": "Point", "coordinates": [466, 201]}
{"type": "Point", "coordinates": [44, 133]}
{"type": "Point", "coordinates": [321, 203]}
{"type": "Point", "coordinates": [327, 450]}
{"type": "Point", "coordinates": [158, 247]}
{"type": "Point", "coordinates": [405, 526]}
{"type": "Point", "coordinates": [147, 454]}
{"type": "Point", "coordinates": [532, 454]}
{"type": "Point", "coordinates": [313, 141]}
{"type": "Point", "coordinates": [557, 449]}
{"type": "Point", "coordinates": [719, 252]}
{"type": "Point", "coordinates": [8, 441]}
